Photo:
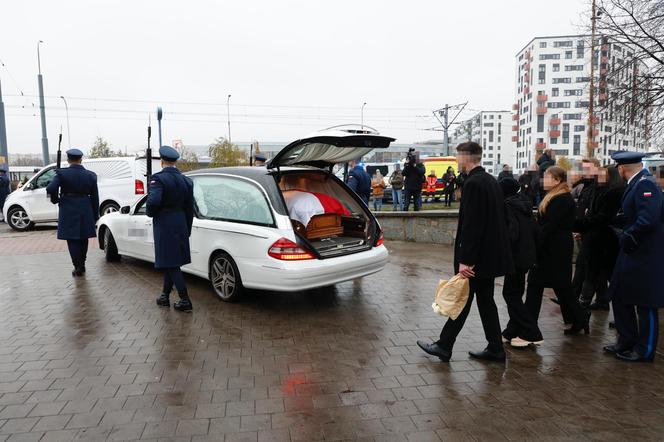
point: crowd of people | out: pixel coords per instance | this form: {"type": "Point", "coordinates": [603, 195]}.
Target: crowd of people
{"type": "Point", "coordinates": [614, 213]}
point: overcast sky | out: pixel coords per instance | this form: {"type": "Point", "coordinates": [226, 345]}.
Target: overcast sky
{"type": "Point", "coordinates": [292, 67]}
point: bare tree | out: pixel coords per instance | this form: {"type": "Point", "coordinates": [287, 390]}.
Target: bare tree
{"type": "Point", "coordinates": [636, 77]}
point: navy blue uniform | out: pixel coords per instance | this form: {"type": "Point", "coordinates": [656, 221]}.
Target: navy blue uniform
{"type": "Point", "coordinates": [74, 189]}
{"type": "Point", "coordinates": [4, 189]}
{"type": "Point", "coordinates": [637, 278]}
{"type": "Point", "coordinates": [171, 204]}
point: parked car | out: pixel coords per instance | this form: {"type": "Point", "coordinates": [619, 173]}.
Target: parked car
{"type": "Point", "coordinates": [121, 181]}
{"type": "Point", "coordinates": [262, 227]}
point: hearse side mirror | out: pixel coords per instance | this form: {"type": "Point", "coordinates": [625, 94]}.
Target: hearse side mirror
{"type": "Point", "coordinates": [125, 210]}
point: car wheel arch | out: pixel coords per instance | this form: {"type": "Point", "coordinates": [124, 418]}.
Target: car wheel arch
{"type": "Point", "coordinates": [108, 202]}
{"type": "Point", "coordinates": [239, 285]}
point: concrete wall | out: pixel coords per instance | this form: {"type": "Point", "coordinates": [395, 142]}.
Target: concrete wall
{"type": "Point", "coordinates": [433, 227]}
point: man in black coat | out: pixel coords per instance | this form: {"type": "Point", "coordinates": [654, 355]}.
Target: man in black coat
{"type": "Point", "coordinates": [481, 253]}
{"type": "Point", "coordinates": [414, 176]}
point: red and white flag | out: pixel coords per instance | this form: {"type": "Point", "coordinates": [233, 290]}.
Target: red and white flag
{"type": "Point", "coordinates": [302, 205]}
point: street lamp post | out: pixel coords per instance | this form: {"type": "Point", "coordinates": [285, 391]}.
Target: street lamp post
{"type": "Point", "coordinates": [228, 115]}
{"type": "Point", "coordinates": [4, 160]}
{"type": "Point", "coordinates": [362, 115]}
{"type": "Point", "coordinates": [590, 147]}
{"type": "Point", "coordinates": [42, 110]}
{"type": "Point", "coordinates": [68, 131]}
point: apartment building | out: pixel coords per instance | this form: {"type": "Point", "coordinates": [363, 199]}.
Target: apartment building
{"type": "Point", "coordinates": [553, 97]}
{"type": "Point", "coordinates": [490, 129]}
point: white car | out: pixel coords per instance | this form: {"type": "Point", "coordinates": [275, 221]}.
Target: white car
{"type": "Point", "coordinates": [255, 227]}
{"type": "Point", "coordinates": [121, 181]}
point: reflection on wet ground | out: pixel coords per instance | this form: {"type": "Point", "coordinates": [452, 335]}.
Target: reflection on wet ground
{"type": "Point", "coordinates": [95, 359]}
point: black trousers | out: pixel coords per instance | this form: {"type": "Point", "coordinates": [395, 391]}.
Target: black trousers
{"type": "Point", "coordinates": [449, 197]}
{"type": "Point", "coordinates": [78, 251]}
{"type": "Point", "coordinates": [483, 289]}
{"type": "Point", "coordinates": [569, 303]}
{"type": "Point", "coordinates": [637, 327]}
{"type": "Point", "coordinates": [596, 283]}
{"type": "Point", "coordinates": [173, 276]}
{"type": "Point", "coordinates": [579, 272]}
{"type": "Point", "coordinates": [522, 323]}
{"type": "Point", "coordinates": [417, 199]}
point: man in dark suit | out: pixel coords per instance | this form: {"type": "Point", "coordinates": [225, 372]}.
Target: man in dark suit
{"type": "Point", "coordinates": [171, 204]}
{"type": "Point", "coordinates": [636, 285]}
{"type": "Point", "coordinates": [481, 253]}
{"type": "Point", "coordinates": [74, 189]}
{"type": "Point", "coordinates": [4, 188]}
{"type": "Point", "coordinates": [359, 180]}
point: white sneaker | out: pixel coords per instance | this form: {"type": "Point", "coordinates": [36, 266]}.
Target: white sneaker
{"type": "Point", "coordinates": [518, 342]}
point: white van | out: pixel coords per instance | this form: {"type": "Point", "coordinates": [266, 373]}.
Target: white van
{"type": "Point", "coordinates": [121, 181]}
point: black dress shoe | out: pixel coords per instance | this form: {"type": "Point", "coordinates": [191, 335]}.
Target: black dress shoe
{"type": "Point", "coordinates": [183, 305]}
{"type": "Point", "coordinates": [615, 348]}
{"type": "Point", "coordinates": [632, 356]}
{"type": "Point", "coordinates": [163, 301]}
{"type": "Point", "coordinates": [76, 272]}
{"type": "Point", "coordinates": [599, 306]}
{"type": "Point", "coordinates": [488, 355]}
{"type": "Point", "coordinates": [435, 350]}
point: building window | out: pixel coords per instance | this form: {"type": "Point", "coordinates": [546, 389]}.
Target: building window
{"type": "Point", "coordinates": [490, 136]}
{"type": "Point", "coordinates": [569, 54]}
{"type": "Point", "coordinates": [582, 79]}
{"type": "Point", "coordinates": [554, 140]}
{"type": "Point", "coordinates": [571, 117]}
{"type": "Point", "coordinates": [542, 44]}
{"type": "Point", "coordinates": [540, 123]}
{"type": "Point", "coordinates": [549, 57]}
{"type": "Point", "coordinates": [573, 92]}
{"type": "Point", "coordinates": [577, 145]}
{"type": "Point", "coordinates": [574, 67]}
{"type": "Point", "coordinates": [556, 67]}
{"type": "Point", "coordinates": [555, 92]}
{"type": "Point", "coordinates": [559, 105]}
{"type": "Point", "coordinates": [562, 44]}
{"type": "Point", "coordinates": [579, 128]}
{"type": "Point", "coordinates": [562, 80]}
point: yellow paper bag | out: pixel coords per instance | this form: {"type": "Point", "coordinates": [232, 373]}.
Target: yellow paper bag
{"type": "Point", "coordinates": [451, 296]}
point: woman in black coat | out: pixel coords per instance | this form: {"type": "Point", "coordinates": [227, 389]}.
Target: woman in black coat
{"type": "Point", "coordinates": [555, 246]}
{"type": "Point", "coordinates": [600, 243]}
{"type": "Point", "coordinates": [522, 329]}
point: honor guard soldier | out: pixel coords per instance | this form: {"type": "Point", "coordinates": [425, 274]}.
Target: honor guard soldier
{"type": "Point", "coordinates": [4, 189]}
{"type": "Point", "coordinates": [637, 282]}
{"type": "Point", "coordinates": [259, 160]}
{"type": "Point", "coordinates": [74, 189]}
{"type": "Point", "coordinates": [171, 205]}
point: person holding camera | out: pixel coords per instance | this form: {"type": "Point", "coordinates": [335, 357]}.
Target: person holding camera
{"type": "Point", "coordinates": [414, 176]}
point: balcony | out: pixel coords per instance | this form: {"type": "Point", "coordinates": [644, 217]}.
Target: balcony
{"type": "Point", "coordinates": [515, 106]}
{"type": "Point", "coordinates": [515, 138]}
{"type": "Point", "coordinates": [542, 98]}
{"type": "Point", "coordinates": [603, 97]}
{"type": "Point", "coordinates": [603, 71]}
{"type": "Point", "coordinates": [595, 120]}
{"type": "Point", "coordinates": [604, 60]}
{"type": "Point", "coordinates": [594, 144]}
{"type": "Point", "coordinates": [527, 66]}
{"type": "Point", "coordinates": [526, 90]}
{"type": "Point", "coordinates": [540, 146]}
{"type": "Point", "coordinates": [595, 132]}
{"type": "Point", "coordinates": [541, 110]}
{"type": "Point", "coordinates": [554, 121]}
{"type": "Point", "coordinates": [554, 133]}
{"type": "Point", "coordinates": [515, 117]}
{"type": "Point", "coordinates": [515, 128]}
{"type": "Point", "coordinates": [526, 77]}
{"type": "Point", "coordinates": [605, 47]}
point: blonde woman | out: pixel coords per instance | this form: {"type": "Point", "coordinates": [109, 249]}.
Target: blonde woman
{"type": "Point", "coordinates": [378, 188]}
{"type": "Point", "coordinates": [555, 246]}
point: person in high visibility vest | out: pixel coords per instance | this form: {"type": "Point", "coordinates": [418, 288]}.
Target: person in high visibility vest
{"type": "Point", "coordinates": [432, 179]}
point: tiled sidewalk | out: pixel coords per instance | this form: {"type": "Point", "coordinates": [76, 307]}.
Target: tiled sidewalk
{"type": "Point", "coordinates": [95, 359]}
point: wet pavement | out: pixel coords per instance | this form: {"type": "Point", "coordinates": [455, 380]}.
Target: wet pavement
{"type": "Point", "coordinates": [95, 359]}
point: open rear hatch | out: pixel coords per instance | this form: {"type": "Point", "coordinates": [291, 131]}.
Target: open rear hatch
{"type": "Point", "coordinates": [324, 211]}
{"type": "Point", "coordinates": [329, 147]}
